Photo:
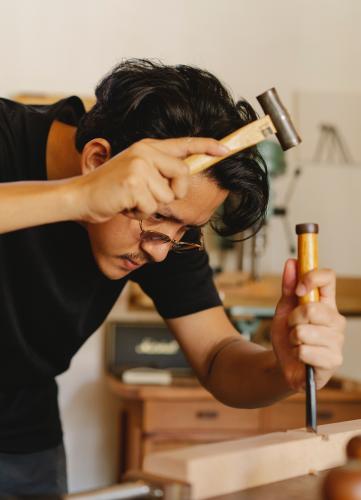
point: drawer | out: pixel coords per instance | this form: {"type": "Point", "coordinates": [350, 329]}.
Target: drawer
{"type": "Point", "coordinates": [283, 416]}
{"type": "Point", "coordinates": [202, 415]}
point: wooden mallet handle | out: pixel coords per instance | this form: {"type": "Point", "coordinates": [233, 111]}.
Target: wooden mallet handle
{"type": "Point", "coordinates": [243, 138]}
{"type": "Point", "coordinates": [307, 261]}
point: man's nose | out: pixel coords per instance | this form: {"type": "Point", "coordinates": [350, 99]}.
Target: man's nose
{"type": "Point", "coordinates": [158, 251]}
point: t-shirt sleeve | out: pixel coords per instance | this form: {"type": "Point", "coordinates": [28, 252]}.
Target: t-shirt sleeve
{"type": "Point", "coordinates": [182, 284]}
{"type": "Point", "coordinates": [14, 143]}
{"type": "Point", "coordinates": [2, 159]}
{"type": "Point", "coordinates": [5, 149]}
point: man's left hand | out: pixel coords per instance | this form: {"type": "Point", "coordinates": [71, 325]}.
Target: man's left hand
{"type": "Point", "coordinates": [311, 333]}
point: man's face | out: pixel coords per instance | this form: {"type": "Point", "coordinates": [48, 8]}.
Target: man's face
{"type": "Point", "coordinates": [116, 243]}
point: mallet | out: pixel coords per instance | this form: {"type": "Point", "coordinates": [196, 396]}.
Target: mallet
{"type": "Point", "coordinates": [308, 260]}
{"type": "Point", "coordinates": [277, 121]}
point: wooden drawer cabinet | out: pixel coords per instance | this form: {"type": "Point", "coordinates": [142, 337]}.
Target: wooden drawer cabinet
{"type": "Point", "coordinates": [200, 415]}
{"type": "Point", "coordinates": [163, 418]}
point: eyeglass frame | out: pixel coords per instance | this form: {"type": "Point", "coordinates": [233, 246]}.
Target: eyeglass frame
{"type": "Point", "coordinates": [183, 246]}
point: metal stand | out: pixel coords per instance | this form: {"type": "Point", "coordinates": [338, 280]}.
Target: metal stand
{"type": "Point", "coordinates": [330, 142]}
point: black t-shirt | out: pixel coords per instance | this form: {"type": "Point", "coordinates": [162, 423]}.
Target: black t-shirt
{"type": "Point", "coordinates": [52, 294]}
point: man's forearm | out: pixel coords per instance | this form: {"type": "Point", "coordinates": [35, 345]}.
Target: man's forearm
{"type": "Point", "coordinates": [26, 204]}
{"type": "Point", "coordinates": [246, 376]}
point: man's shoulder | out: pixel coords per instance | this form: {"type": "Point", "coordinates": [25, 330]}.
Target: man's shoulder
{"type": "Point", "coordinates": [72, 107]}
{"type": "Point", "coordinates": [8, 108]}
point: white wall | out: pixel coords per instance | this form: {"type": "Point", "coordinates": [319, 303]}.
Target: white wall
{"type": "Point", "coordinates": [89, 418]}
{"type": "Point", "coordinates": [66, 46]}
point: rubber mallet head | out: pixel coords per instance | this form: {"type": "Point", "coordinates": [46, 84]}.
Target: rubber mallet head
{"type": "Point", "coordinates": [285, 130]}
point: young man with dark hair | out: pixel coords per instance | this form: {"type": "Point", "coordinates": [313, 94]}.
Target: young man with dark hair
{"type": "Point", "coordinates": [91, 200]}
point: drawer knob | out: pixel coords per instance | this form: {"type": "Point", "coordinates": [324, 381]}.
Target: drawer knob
{"type": "Point", "coordinates": [207, 414]}
{"type": "Point", "coordinates": [325, 414]}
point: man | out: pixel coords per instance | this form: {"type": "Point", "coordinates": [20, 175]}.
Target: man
{"type": "Point", "coordinates": [78, 220]}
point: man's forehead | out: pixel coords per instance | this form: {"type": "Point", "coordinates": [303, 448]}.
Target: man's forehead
{"type": "Point", "coordinates": [201, 201]}
{"type": "Point", "coordinates": [177, 216]}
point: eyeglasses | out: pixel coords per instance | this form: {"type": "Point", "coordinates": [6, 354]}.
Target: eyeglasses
{"type": "Point", "coordinates": [176, 246]}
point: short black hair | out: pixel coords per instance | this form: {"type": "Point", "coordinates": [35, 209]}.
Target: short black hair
{"type": "Point", "coordinates": [143, 98]}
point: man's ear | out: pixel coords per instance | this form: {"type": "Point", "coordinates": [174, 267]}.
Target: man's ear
{"type": "Point", "coordinates": [95, 153]}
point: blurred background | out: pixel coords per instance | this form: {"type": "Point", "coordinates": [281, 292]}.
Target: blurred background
{"type": "Point", "coordinates": [310, 50]}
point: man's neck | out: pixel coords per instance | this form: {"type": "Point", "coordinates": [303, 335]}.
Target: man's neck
{"type": "Point", "coordinates": [62, 157]}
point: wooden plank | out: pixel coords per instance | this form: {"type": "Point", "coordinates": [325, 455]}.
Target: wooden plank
{"type": "Point", "coordinates": [227, 467]}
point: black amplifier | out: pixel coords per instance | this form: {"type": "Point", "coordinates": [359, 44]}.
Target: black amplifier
{"type": "Point", "coordinates": [132, 345]}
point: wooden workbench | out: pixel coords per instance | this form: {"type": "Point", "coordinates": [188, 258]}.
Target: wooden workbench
{"type": "Point", "coordinates": [299, 488]}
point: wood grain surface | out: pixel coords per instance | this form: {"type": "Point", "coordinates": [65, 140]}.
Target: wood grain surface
{"type": "Point", "coordinates": [232, 466]}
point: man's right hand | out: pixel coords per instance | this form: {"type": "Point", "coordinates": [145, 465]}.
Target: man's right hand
{"type": "Point", "coordinates": [147, 174]}
{"type": "Point", "coordinates": [139, 179]}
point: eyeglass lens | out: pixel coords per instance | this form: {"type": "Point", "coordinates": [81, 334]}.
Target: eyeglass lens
{"type": "Point", "coordinates": [154, 236]}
